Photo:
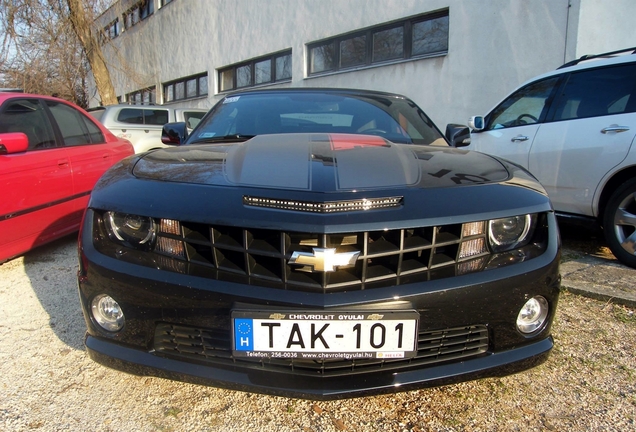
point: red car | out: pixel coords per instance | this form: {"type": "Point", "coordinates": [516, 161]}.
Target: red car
{"type": "Point", "coordinates": [51, 154]}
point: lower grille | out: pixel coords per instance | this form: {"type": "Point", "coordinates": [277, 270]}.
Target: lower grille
{"type": "Point", "coordinates": [213, 347]}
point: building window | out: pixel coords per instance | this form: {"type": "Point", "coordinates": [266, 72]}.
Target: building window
{"type": "Point", "coordinates": [322, 57]}
{"type": "Point", "coordinates": [140, 11]}
{"type": "Point", "coordinates": [186, 88]}
{"type": "Point", "coordinates": [411, 38]}
{"type": "Point", "coordinates": [353, 51]}
{"type": "Point", "coordinates": [262, 70]}
{"type": "Point", "coordinates": [162, 3]}
{"type": "Point", "coordinates": [145, 96]}
{"type": "Point", "coordinates": [388, 45]}
{"type": "Point", "coordinates": [244, 76]}
{"type": "Point", "coordinates": [283, 69]}
{"type": "Point", "coordinates": [111, 31]}
{"type": "Point", "coordinates": [430, 36]}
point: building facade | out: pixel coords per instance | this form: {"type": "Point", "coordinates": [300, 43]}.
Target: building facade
{"type": "Point", "coordinates": [454, 58]}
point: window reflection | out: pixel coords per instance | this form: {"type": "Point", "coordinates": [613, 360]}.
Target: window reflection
{"type": "Point", "coordinates": [388, 44]}
{"type": "Point", "coordinates": [263, 72]}
{"type": "Point", "coordinates": [243, 76]}
{"type": "Point", "coordinates": [322, 58]}
{"type": "Point", "coordinates": [353, 51]}
{"type": "Point", "coordinates": [283, 67]}
{"type": "Point", "coordinates": [191, 88]}
{"type": "Point", "coordinates": [430, 36]}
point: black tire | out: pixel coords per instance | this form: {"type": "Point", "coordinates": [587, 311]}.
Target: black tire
{"type": "Point", "coordinates": [619, 223]}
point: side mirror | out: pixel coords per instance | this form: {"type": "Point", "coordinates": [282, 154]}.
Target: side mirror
{"type": "Point", "coordinates": [457, 135]}
{"type": "Point", "coordinates": [477, 123]}
{"type": "Point", "coordinates": [14, 142]}
{"type": "Point", "coordinates": [174, 133]}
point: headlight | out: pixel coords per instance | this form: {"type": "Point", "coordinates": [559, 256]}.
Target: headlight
{"type": "Point", "coordinates": [136, 231]}
{"type": "Point", "coordinates": [511, 232]}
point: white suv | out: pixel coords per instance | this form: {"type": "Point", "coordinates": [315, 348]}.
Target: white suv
{"type": "Point", "coordinates": [574, 129]}
{"type": "Point", "coordinates": [142, 124]}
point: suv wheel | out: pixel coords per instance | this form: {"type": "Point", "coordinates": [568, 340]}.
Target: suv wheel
{"type": "Point", "coordinates": [619, 223]}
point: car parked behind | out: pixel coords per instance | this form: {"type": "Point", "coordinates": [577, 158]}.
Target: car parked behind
{"type": "Point", "coordinates": [51, 155]}
{"type": "Point", "coordinates": [318, 243]}
{"type": "Point", "coordinates": [141, 124]}
{"type": "Point", "coordinates": [574, 129]}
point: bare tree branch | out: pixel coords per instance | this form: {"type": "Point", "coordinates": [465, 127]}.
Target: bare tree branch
{"type": "Point", "coordinates": [47, 47]}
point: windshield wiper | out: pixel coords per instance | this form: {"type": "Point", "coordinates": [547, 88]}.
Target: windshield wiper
{"type": "Point", "coordinates": [224, 138]}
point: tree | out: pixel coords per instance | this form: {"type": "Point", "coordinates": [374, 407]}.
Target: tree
{"type": "Point", "coordinates": [82, 21]}
{"type": "Point", "coordinates": [49, 45]}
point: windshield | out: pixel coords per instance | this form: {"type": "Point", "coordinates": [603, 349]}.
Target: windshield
{"type": "Point", "coordinates": [242, 116]}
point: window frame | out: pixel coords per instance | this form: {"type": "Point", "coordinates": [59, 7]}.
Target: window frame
{"type": "Point", "coordinates": [146, 112]}
{"type": "Point", "coordinates": [151, 92]}
{"type": "Point", "coordinates": [110, 31]}
{"type": "Point", "coordinates": [369, 33]}
{"type": "Point", "coordinates": [143, 8]}
{"type": "Point", "coordinates": [171, 87]}
{"type": "Point", "coordinates": [45, 121]}
{"type": "Point", "coordinates": [78, 119]}
{"type": "Point", "coordinates": [233, 70]}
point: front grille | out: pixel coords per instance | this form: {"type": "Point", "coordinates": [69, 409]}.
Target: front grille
{"type": "Point", "coordinates": [209, 346]}
{"type": "Point", "coordinates": [389, 256]}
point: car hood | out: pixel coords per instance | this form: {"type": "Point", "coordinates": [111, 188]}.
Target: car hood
{"type": "Point", "coordinates": [320, 163]}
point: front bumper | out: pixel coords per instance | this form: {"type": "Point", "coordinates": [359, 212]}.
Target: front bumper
{"type": "Point", "coordinates": [152, 298]}
{"type": "Point", "coordinates": [140, 362]}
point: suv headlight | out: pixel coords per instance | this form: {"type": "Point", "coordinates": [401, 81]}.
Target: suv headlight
{"type": "Point", "coordinates": [510, 232]}
{"type": "Point", "coordinates": [133, 230]}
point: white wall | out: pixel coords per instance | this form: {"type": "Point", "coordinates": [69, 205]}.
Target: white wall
{"type": "Point", "coordinates": [494, 45]}
{"type": "Point", "coordinates": [605, 25]}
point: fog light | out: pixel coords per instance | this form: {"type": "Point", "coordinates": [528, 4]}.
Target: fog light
{"type": "Point", "coordinates": [533, 315]}
{"type": "Point", "coordinates": [107, 313]}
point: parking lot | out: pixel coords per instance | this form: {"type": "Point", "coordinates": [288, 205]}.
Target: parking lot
{"type": "Point", "coordinates": [48, 383]}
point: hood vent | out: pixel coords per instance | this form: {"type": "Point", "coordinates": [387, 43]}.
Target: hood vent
{"type": "Point", "coordinates": [325, 206]}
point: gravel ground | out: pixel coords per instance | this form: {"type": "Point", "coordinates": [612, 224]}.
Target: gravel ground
{"type": "Point", "coordinates": [48, 383]}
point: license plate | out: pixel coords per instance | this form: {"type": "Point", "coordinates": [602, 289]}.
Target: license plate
{"type": "Point", "coordinates": [324, 335]}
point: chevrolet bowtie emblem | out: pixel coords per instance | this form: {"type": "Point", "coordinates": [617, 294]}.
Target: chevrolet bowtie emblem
{"type": "Point", "coordinates": [323, 260]}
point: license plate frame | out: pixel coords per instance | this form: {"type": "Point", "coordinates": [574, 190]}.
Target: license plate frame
{"type": "Point", "coordinates": [310, 335]}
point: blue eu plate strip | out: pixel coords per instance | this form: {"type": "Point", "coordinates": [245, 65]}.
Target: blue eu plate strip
{"type": "Point", "coordinates": [243, 335]}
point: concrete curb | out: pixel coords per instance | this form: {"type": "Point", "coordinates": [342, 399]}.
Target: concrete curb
{"type": "Point", "coordinates": [600, 279]}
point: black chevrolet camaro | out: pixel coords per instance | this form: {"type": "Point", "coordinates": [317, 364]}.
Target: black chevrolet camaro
{"type": "Point", "coordinates": [321, 244]}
